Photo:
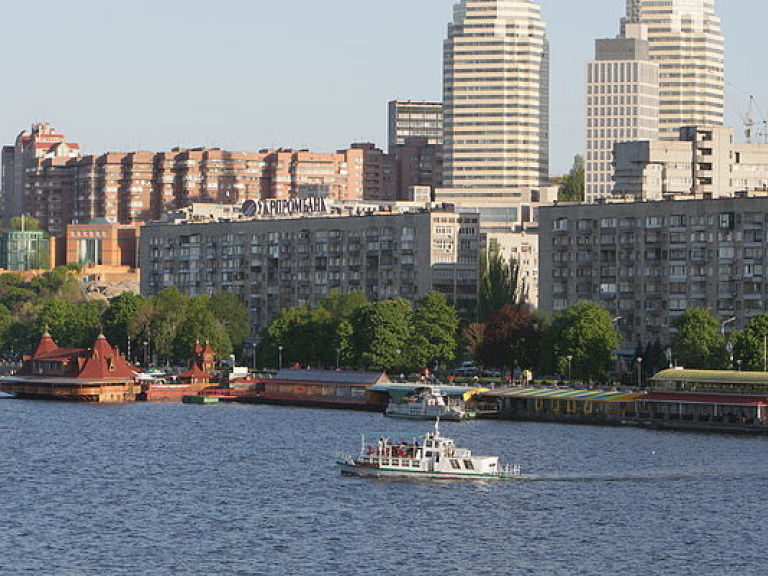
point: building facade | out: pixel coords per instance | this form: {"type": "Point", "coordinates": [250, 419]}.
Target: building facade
{"type": "Point", "coordinates": [496, 96]}
{"type": "Point", "coordinates": [31, 146]}
{"type": "Point", "coordinates": [277, 262]}
{"type": "Point", "coordinates": [622, 104]}
{"type": "Point", "coordinates": [24, 250]}
{"type": "Point", "coordinates": [648, 262]}
{"type": "Point", "coordinates": [130, 187]}
{"type": "Point", "coordinates": [415, 119]}
{"type": "Point", "coordinates": [687, 43]}
{"type": "Point", "coordinates": [705, 162]}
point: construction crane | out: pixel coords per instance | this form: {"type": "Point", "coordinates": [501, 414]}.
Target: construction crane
{"type": "Point", "coordinates": [754, 131]}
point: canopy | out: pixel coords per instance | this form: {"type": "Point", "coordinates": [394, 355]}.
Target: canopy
{"type": "Point", "coordinates": [563, 394]}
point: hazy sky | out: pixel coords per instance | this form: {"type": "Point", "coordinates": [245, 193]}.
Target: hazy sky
{"type": "Point", "coordinates": [251, 74]}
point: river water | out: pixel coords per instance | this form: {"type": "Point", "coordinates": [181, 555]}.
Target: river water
{"type": "Point", "coordinates": [243, 489]}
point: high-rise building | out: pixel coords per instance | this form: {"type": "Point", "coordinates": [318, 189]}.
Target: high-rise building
{"type": "Point", "coordinates": [415, 119]}
{"type": "Point", "coordinates": [687, 43]}
{"type": "Point", "coordinates": [622, 103]}
{"type": "Point", "coordinates": [31, 147]}
{"type": "Point", "coordinates": [496, 96]}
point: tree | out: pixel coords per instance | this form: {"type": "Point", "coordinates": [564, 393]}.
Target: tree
{"type": "Point", "coordinates": [511, 338]}
{"type": "Point", "coordinates": [383, 335]}
{"type": "Point", "coordinates": [170, 307]}
{"type": "Point", "coordinates": [698, 342]}
{"type": "Point", "coordinates": [498, 281]}
{"type": "Point", "coordinates": [435, 325]}
{"type": "Point", "coordinates": [751, 343]}
{"type": "Point", "coordinates": [229, 310]}
{"type": "Point", "coordinates": [572, 187]}
{"type": "Point", "coordinates": [27, 223]}
{"type": "Point", "coordinates": [200, 325]}
{"type": "Point", "coordinates": [472, 339]}
{"type": "Point", "coordinates": [117, 319]}
{"type": "Point", "coordinates": [71, 324]}
{"type": "Point", "coordinates": [587, 334]}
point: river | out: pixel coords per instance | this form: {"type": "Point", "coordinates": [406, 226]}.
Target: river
{"type": "Point", "coordinates": [241, 489]}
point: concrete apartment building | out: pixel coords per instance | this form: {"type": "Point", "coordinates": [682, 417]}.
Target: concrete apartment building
{"type": "Point", "coordinates": [622, 104]}
{"type": "Point", "coordinates": [296, 259]}
{"type": "Point", "coordinates": [686, 41]}
{"type": "Point", "coordinates": [648, 262]}
{"type": "Point", "coordinates": [496, 96]}
{"type": "Point", "coordinates": [705, 162]}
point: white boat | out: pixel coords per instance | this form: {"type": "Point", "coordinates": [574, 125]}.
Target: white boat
{"type": "Point", "coordinates": [428, 403]}
{"type": "Point", "coordinates": [436, 457]}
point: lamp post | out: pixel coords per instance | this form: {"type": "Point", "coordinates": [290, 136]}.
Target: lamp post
{"type": "Point", "coordinates": [569, 358]}
{"type": "Point", "coordinates": [338, 355]}
{"type": "Point", "coordinates": [280, 357]}
{"type": "Point", "coordinates": [639, 372]}
{"type": "Point", "coordinates": [739, 363]}
{"type": "Point", "coordinates": [669, 356]}
{"type": "Point", "coordinates": [146, 353]}
{"type": "Point", "coordinates": [724, 323]}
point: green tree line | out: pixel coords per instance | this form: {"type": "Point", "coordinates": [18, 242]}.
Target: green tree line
{"type": "Point", "coordinates": [164, 327]}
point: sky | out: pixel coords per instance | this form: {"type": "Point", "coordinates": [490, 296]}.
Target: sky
{"type": "Point", "coordinates": [252, 74]}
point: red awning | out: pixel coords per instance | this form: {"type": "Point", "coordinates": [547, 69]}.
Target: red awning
{"type": "Point", "coordinates": [691, 398]}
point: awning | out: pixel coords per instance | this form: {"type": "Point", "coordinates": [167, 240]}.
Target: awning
{"type": "Point", "coordinates": [720, 399]}
{"type": "Point", "coordinates": [563, 394]}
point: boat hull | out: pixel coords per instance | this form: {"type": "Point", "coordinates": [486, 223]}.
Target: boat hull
{"type": "Point", "coordinates": [351, 469]}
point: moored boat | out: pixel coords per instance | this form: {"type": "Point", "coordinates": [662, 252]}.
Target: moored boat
{"type": "Point", "coordinates": [435, 457]}
{"type": "Point", "coordinates": [428, 403]}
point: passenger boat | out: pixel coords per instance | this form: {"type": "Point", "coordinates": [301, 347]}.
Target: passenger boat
{"type": "Point", "coordinates": [436, 457]}
{"type": "Point", "coordinates": [428, 403]}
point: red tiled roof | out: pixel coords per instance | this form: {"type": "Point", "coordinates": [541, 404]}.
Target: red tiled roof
{"type": "Point", "coordinates": [196, 373]}
{"type": "Point", "coordinates": [102, 361]}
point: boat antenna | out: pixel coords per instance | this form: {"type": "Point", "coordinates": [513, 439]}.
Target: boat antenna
{"type": "Point", "coordinates": [437, 426]}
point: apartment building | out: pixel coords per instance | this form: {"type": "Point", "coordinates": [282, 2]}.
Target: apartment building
{"type": "Point", "coordinates": [131, 187]}
{"type": "Point", "coordinates": [648, 262]}
{"type": "Point", "coordinates": [273, 262]}
{"type": "Point", "coordinates": [31, 146]}
{"type": "Point", "coordinates": [705, 162]}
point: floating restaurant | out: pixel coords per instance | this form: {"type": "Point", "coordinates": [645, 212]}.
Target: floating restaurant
{"type": "Point", "coordinates": [563, 404]}
{"type": "Point", "coordinates": [96, 374]}
{"type": "Point", "coordinates": [706, 399]}
{"type": "Point", "coordinates": [321, 388]}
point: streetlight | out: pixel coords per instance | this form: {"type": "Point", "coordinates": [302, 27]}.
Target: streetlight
{"type": "Point", "coordinates": [338, 353]}
{"type": "Point", "coordinates": [669, 356]}
{"type": "Point", "coordinates": [639, 372]}
{"type": "Point", "coordinates": [723, 324]}
{"type": "Point", "coordinates": [739, 363]}
{"type": "Point", "coordinates": [280, 357]}
{"type": "Point", "coordinates": [569, 358]}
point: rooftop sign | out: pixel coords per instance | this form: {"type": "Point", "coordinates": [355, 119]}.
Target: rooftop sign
{"type": "Point", "coordinates": [284, 207]}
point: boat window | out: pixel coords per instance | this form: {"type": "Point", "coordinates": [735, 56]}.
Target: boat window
{"type": "Point", "coordinates": [428, 454]}
{"type": "Point", "coordinates": [428, 443]}
{"type": "Point", "coordinates": [455, 464]}
{"type": "Point", "coordinates": [468, 465]}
